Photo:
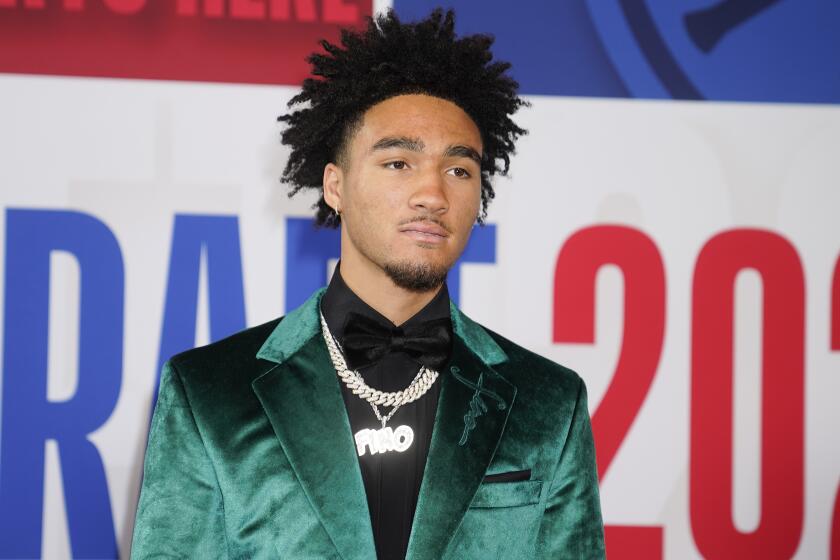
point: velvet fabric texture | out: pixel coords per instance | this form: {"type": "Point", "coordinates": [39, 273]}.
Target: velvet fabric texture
{"type": "Point", "coordinates": [250, 455]}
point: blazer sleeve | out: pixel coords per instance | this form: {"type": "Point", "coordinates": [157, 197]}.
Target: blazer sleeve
{"type": "Point", "coordinates": [180, 513]}
{"type": "Point", "coordinates": [572, 525]}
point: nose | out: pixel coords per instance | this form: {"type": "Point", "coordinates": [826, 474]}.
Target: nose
{"type": "Point", "coordinates": [429, 194]}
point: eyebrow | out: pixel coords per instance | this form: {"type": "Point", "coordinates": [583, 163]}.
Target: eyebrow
{"type": "Point", "coordinates": [463, 151]}
{"type": "Point", "coordinates": [399, 142]}
{"type": "Point", "coordinates": [417, 145]}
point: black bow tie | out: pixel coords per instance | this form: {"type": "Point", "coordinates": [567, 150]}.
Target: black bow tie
{"type": "Point", "coordinates": [366, 341]}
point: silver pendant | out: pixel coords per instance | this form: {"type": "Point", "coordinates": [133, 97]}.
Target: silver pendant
{"type": "Point", "coordinates": [384, 440]}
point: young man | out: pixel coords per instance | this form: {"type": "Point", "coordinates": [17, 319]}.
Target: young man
{"type": "Point", "coordinates": [377, 420]}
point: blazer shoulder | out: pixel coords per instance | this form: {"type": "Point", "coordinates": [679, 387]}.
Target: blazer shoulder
{"type": "Point", "coordinates": [237, 352]}
{"type": "Point", "coordinates": [523, 362]}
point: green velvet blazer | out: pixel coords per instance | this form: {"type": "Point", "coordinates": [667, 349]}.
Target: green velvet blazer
{"type": "Point", "coordinates": [250, 455]}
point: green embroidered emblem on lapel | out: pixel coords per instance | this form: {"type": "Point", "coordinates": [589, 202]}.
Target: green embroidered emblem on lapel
{"type": "Point", "coordinates": [477, 405]}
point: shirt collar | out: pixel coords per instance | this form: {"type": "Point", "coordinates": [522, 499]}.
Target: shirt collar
{"type": "Point", "coordinates": [339, 300]}
{"type": "Point", "coordinates": [301, 325]}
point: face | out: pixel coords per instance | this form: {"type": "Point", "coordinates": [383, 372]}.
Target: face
{"type": "Point", "coordinates": [408, 190]}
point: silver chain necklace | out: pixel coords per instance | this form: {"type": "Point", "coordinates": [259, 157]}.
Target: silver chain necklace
{"type": "Point", "coordinates": [384, 439]}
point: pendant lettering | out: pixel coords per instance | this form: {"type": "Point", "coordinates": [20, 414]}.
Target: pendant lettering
{"type": "Point", "coordinates": [384, 440]}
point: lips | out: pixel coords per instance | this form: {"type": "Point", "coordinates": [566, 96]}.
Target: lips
{"type": "Point", "coordinates": [425, 231]}
{"type": "Point", "coordinates": [426, 227]}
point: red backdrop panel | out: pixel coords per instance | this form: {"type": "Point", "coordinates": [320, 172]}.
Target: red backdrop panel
{"type": "Point", "coordinates": [248, 41]}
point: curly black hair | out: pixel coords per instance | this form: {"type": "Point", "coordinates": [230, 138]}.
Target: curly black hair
{"type": "Point", "coordinates": [387, 59]}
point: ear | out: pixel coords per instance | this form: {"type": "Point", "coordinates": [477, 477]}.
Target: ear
{"type": "Point", "coordinates": [333, 185]}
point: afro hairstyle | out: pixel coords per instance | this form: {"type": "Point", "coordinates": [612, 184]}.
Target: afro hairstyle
{"type": "Point", "coordinates": [387, 59]}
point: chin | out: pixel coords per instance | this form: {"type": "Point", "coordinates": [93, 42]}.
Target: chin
{"type": "Point", "coordinates": [417, 275]}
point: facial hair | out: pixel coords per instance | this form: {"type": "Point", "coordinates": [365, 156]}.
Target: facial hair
{"type": "Point", "coordinates": [416, 277]}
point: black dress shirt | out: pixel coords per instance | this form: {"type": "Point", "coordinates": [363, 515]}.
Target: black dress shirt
{"type": "Point", "coordinates": [392, 480]}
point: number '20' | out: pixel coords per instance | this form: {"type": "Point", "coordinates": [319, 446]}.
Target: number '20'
{"type": "Point", "coordinates": [782, 400]}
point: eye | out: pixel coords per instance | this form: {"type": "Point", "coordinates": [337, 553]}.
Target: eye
{"type": "Point", "coordinates": [459, 172]}
{"type": "Point", "coordinates": [398, 164]}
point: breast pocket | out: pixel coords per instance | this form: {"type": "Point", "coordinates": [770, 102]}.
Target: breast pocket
{"type": "Point", "coordinates": [507, 494]}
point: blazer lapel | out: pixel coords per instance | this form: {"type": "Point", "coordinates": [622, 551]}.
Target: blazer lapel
{"type": "Point", "coordinates": [303, 402]}
{"type": "Point", "coordinates": [473, 407]}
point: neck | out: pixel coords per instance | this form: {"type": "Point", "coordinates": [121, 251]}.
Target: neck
{"type": "Point", "coordinates": [376, 289]}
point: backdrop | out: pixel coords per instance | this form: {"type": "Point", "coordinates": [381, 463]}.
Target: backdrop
{"type": "Point", "coordinates": [670, 230]}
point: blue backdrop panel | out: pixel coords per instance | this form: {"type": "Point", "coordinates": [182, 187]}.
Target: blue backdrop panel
{"type": "Point", "coordinates": [732, 50]}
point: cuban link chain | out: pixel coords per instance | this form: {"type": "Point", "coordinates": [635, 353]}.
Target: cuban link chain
{"type": "Point", "coordinates": [421, 383]}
